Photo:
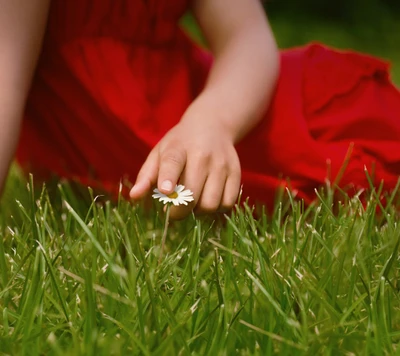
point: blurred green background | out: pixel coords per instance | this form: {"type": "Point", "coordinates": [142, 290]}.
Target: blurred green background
{"type": "Point", "coordinates": [371, 26]}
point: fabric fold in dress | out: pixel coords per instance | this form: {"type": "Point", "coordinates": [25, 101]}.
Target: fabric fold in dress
{"type": "Point", "coordinates": [114, 76]}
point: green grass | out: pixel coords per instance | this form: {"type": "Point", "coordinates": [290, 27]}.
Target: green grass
{"type": "Point", "coordinates": [380, 39]}
{"type": "Point", "coordinates": [82, 277]}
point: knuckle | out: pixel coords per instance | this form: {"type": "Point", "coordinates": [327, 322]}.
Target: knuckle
{"type": "Point", "coordinates": [227, 165]}
{"type": "Point", "coordinates": [236, 174]}
{"type": "Point", "coordinates": [223, 166]}
{"type": "Point", "coordinates": [209, 205]}
{"type": "Point", "coordinates": [202, 156]}
{"type": "Point", "coordinates": [230, 199]}
{"type": "Point", "coordinates": [228, 204]}
{"type": "Point", "coordinates": [234, 164]}
{"type": "Point", "coordinates": [173, 156]}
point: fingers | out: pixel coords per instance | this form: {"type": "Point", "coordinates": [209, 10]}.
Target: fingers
{"type": "Point", "coordinates": [163, 168]}
{"type": "Point", "coordinates": [212, 193]}
{"type": "Point", "coordinates": [215, 187]}
{"type": "Point", "coordinates": [193, 177]}
{"type": "Point", "coordinates": [172, 164]}
{"type": "Point", "coordinates": [147, 176]}
{"type": "Point", "coordinates": [220, 192]}
{"type": "Point", "coordinates": [212, 175]}
{"type": "Point", "coordinates": [231, 192]}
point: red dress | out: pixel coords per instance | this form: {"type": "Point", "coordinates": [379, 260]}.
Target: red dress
{"type": "Point", "coordinates": [115, 75]}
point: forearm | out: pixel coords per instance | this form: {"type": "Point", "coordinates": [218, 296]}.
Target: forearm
{"type": "Point", "coordinates": [199, 152]}
{"type": "Point", "coordinates": [242, 78]}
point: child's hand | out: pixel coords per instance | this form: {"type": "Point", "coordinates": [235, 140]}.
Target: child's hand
{"type": "Point", "coordinates": [202, 157]}
{"type": "Point", "coordinates": [199, 152]}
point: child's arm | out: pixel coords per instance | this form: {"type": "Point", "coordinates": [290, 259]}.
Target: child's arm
{"type": "Point", "coordinates": [199, 151]}
{"type": "Point", "coordinates": [246, 63]}
{"type": "Point", "coordinates": [22, 25]}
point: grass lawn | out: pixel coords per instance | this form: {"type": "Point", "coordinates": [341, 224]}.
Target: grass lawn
{"type": "Point", "coordinates": [82, 277]}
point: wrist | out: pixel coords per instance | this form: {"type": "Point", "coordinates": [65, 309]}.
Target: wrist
{"type": "Point", "coordinates": [209, 110]}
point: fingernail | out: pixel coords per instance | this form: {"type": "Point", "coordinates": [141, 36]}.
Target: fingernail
{"type": "Point", "coordinates": [166, 185]}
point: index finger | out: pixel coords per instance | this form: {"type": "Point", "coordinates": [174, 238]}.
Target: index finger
{"type": "Point", "coordinates": [172, 164]}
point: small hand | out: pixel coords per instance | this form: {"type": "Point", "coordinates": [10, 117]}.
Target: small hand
{"type": "Point", "coordinates": [201, 157]}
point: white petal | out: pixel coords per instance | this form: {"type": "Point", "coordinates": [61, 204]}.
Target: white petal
{"type": "Point", "coordinates": [179, 188]}
{"type": "Point", "coordinates": [184, 196]}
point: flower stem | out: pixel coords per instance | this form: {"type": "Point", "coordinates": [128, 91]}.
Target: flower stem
{"type": "Point", "coordinates": [164, 236]}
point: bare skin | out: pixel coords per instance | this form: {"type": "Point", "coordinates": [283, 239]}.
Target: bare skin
{"type": "Point", "coordinates": [22, 25]}
{"type": "Point", "coordinates": [199, 152]}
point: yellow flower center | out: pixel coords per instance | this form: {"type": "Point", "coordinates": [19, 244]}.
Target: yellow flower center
{"type": "Point", "coordinates": [173, 195]}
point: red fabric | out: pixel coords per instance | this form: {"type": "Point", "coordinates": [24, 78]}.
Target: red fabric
{"type": "Point", "coordinates": [116, 75]}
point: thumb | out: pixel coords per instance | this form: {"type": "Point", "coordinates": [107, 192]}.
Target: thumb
{"type": "Point", "coordinates": [147, 176]}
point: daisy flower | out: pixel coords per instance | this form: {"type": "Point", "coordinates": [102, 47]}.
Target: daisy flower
{"type": "Point", "coordinates": [177, 197]}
